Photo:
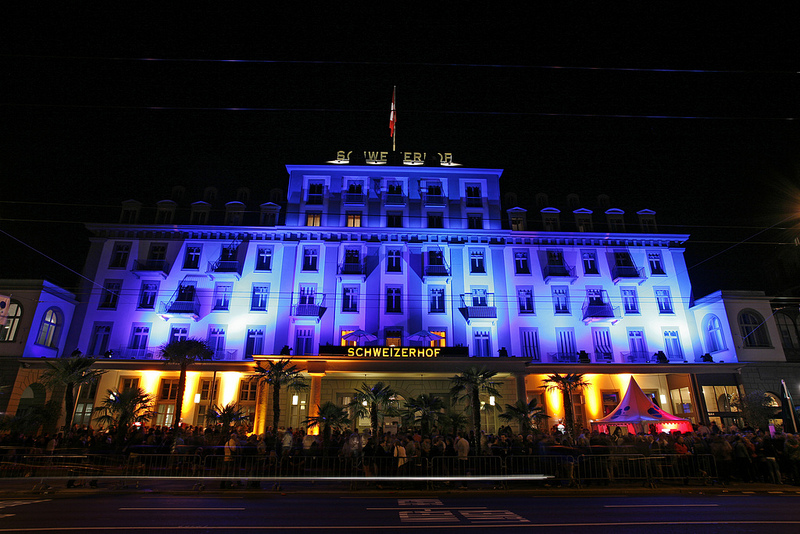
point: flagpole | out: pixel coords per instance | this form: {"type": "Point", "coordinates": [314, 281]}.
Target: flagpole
{"type": "Point", "coordinates": [393, 119]}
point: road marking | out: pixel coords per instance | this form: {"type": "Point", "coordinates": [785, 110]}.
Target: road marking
{"type": "Point", "coordinates": [438, 508]}
{"type": "Point", "coordinates": [7, 504]}
{"type": "Point", "coordinates": [656, 505]}
{"type": "Point", "coordinates": [184, 508]}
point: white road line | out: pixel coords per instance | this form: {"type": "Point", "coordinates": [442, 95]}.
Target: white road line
{"type": "Point", "coordinates": [183, 508]}
{"type": "Point", "coordinates": [433, 507]}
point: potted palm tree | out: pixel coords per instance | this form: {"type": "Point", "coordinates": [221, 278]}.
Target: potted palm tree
{"type": "Point", "coordinates": [470, 384]}
{"type": "Point", "coordinates": [567, 384]}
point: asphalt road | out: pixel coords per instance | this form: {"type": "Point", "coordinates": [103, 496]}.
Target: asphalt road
{"type": "Point", "coordinates": [446, 512]}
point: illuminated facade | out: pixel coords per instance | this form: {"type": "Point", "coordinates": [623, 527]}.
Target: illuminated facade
{"type": "Point", "coordinates": [404, 273]}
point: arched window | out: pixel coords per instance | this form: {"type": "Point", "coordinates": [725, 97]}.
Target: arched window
{"type": "Point", "coordinates": [9, 331]}
{"type": "Point", "coordinates": [50, 329]}
{"type": "Point", "coordinates": [753, 329]}
{"type": "Point", "coordinates": [715, 342]}
{"type": "Point", "coordinates": [788, 331]}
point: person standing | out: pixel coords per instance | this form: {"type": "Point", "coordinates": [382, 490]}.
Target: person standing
{"type": "Point", "coordinates": [461, 446]}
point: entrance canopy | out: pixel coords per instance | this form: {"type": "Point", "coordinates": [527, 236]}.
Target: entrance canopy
{"type": "Point", "coordinates": [637, 412]}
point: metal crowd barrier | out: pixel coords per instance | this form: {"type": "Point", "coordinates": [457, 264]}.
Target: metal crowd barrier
{"type": "Point", "coordinates": [564, 470]}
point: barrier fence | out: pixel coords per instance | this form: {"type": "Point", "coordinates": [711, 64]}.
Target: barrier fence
{"type": "Point", "coordinates": [519, 471]}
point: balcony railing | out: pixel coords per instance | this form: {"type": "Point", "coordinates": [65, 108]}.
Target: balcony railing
{"type": "Point", "coordinates": [314, 307]}
{"type": "Point", "coordinates": [599, 309]}
{"type": "Point", "coordinates": [637, 356]}
{"type": "Point", "coordinates": [353, 198]}
{"type": "Point", "coordinates": [351, 268]}
{"type": "Point", "coordinates": [558, 271]}
{"type": "Point", "coordinates": [188, 307]}
{"type": "Point", "coordinates": [314, 198]}
{"type": "Point", "coordinates": [629, 272]}
{"type": "Point", "coordinates": [395, 199]}
{"type": "Point", "coordinates": [434, 200]}
{"type": "Point", "coordinates": [225, 354]}
{"type": "Point", "coordinates": [437, 270]}
{"type": "Point", "coordinates": [474, 202]}
{"type": "Point", "coordinates": [160, 266]}
{"type": "Point", "coordinates": [478, 306]}
{"type": "Point", "coordinates": [127, 353]}
{"type": "Point", "coordinates": [563, 357]}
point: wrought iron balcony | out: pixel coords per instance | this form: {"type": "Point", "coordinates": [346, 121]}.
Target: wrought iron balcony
{"type": "Point", "coordinates": [478, 306]}
{"type": "Point", "coordinates": [353, 198]}
{"type": "Point", "coordinates": [627, 272]}
{"type": "Point", "coordinates": [563, 357]}
{"type": "Point", "coordinates": [395, 199]}
{"type": "Point", "coordinates": [599, 310]}
{"type": "Point", "coordinates": [637, 356]}
{"type": "Point", "coordinates": [433, 200]}
{"type": "Point", "coordinates": [146, 353]}
{"type": "Point", "coordinates": [309, 307]}
{"type": "Point", "coordinates": [150, 266]}
{"type": "Point", "coordinates": [223, 268]}
{"type": "Point", "coordinates": [181, 307]}
{"type": "Point", "coordinates": [559, 271]}
{"type": "Point", "coordinates": [437, 270]}
{"type": "Point", "coordinates": [352, 268]}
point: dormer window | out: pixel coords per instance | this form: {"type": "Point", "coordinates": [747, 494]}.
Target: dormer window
{"type": "Point", "coordinates": [234, 212]}
{"type": "Point", "coordinates": [200, 211]}
{"type": "Point", "coordinates": [474, 198]}
{"type": "Point", "coordinates": [550, 219]}
{"type": "Point", "coordinates": [615, 220]}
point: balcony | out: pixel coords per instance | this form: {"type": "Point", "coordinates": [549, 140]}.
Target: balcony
{"type": "Point", "coordinates": [627, 273]}
{"type": "Point", "coordinates": [224, 269]}
{"type": "Point", "coordinates": [434, 200]}
{"type": "Point", "coordinates": [309, 307]}
{"type": "Point", "coordinates": [315, 198]}
{"type": "Point", "coordinates": [599, 310]}
{"type": "Point", "coordinates": [354, 268]}
{"type": "Point", "coordinates": [395, 199]}
{"type": "Point", "coordinates": [178, 308]}
{"type": "Point", "coordinates": [558, 272]}
{"type": "Point", "coordinates": [353, 198]}
{"type": "Point", "coordinates": [478, 306]}
{"type": "Point", "coordinates": [637, 356]}
{"type": "Point", "coordinates": [563, 357]}
{"type": "Point", "coordinates": [127, 353]}
{"type": "Point", "coordinates": [224, 354]}
{"type": "Point", "coordinates": [474, 202]}
{"type": "Point", "coordinates": [151, 266]}
{"type": "Point", "coordinates": [437, 270]}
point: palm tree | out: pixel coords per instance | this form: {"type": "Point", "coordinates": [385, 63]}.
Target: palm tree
{"type": "Point", "coordinates": [226, 415]}
{"type": "Point", "coordinates": [568, 384]}
{"type": "Point", "coordinates": [425, 408]}
{"type": "Point", "coordinates": [452, 421]}
{"type": "Point", "coordinates": [523, 414]}
{"type": "Point", "coordinates": [470, 384]}
{"type": "Point", "coordinates": [376, 401]}
{"type": "Point", "coordinates": [280, 374]}
{"type": "Point", "coordinates": [122, 409]}
{"type": "Point", "coordinates": [70, 373]}
{"type": "Point", "coordinates": [329, 417]}
{"type": "Point", "coordinates": [184, 353]}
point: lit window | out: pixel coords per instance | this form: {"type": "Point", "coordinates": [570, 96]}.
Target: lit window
{"type": "Point", "coordinates": [560, 299]}
{"type": "Point", "coordinates": [248, 390]}
{"type": "Point", "coordinates": [313, 218]}
{"type": "Point", "coordinates": [222, 295]}
{"type": "Point", "coordinates": [178, 333]}
{"type": "Point", "coordinates": [521, 263]}
{"type": "Point", "coordinates": [148, 294]}
{"type": "Point", "coordinates": [353, 219]}
{"type": "Point", "coordinates": [476, 261]}
{"type": "Point", "coordinates": [260, 296]}
{"type": "Point", "coordinates": [436, 299]}
{"type": "Point", "coordinates": [264, 259]}
{"type": "Point", "coordinates": [656, 265]}
{"type": "Point", "coordinates": [192, 258]}
{"type": "Point", "coordinates": [589, 262]}
{"type": "Point", "coordinates": [9, 331]}
{"type": "Point", "coordinates": [350, 299]}
{"type": "Point", "coordinates": [664, 300]}
{"type": "Point", "coordinates": [630, 300]}
{"type": "Point", "coordinates": [481, 344]}
{"type": "Point", "coordinates": [50, 328]}
{"type": "Point", "coordinates": [672, 345]}
{"type": "Point", "coordinates": [525, 299]}
{"type": "Point", "coordinates": [310, 256]}
{"type": "Point", "coordinates": [715, 342]}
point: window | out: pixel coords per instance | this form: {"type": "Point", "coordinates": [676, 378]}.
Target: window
{"type": "Point", "coordinates": [216, 341]}
{"type": "Point", "coordinates": [158, 252]}
{"type": "Point", "coordinates": [589, 262]}
{"type": "Point", "coordinates": [208, 390]}
{"type": "Point", "coordinates": [480, 296]}
{"type": "Point", "coordinates": [476, 261]}
{"type": "Point", "coordinates": [264, 258]}
{"type": "Point", "coordinates": [565, 342]}
{"type": "Point", "coordinates": [192, 258]}
{"type": "Point", "coordinates": [601, 341]}
{"type": "Point", "coordinates": [481, 344]}
{"type": "Point", "coordinates": [474, 198]}
{"type": "Point", "coordinates": [753, 329]}
{"type": "Point", "coordinates": [168, 390]}
{"type": "Point", "coordinates": [119, 256]}
{"type": "Point", "coordinates": [313, 218]}
{"type": "Point", "coordinates": [303, 340]}
{"type": "Point", "coordinates": [259, 297]}
{"type": "Point", "coordinates": [525, 300]}
{"type": "Point", "coordinates": [560, 299]}
{"type": "Point", "coordinates": [353, 219]}
{"type": "Point", "coordinates": [637, 345]}
{"type": "Point", "coordinates": [529, 343]}
{"type": "Point", "coordinates": [140, 334]}
{"type": "Point", "coordinates": [555, 257]}
{"type": "Point", "coordinates": [393, 300]}
{"type": "Point", "coordinates": [350, 298]}
{"type": "Point", "coordinates": [255, 341]}
{"type": "Point", "coordinates": [672, 345]}
{"type": "Point", "coordinates": [436, 299]}
{"type": "Point", "coordinates": [345, 342]}
{"type": "Point", "coordinates": [435, 220]}
{"type": "Point", "coordinates": [656, 265]}
{"type": "Point", "coordinates": [148, 294]}
{"type": "Point", "coordinates": [310, 257]}
{"type": "Point", "coordinates": [179, 332]}
{"type": "Point", "coordinates": [110, 296]}
{"type": "Point", "coordinates": [222, 295]}
{"type": "Point", "coordinates": [517, 223]}
{"type": "Point", "coordinates": [98, 343]}
{"type": "Point", "coordinates": [630, 300]}
{"type": "Point", "coordinates": [308, 294]}
{"type": "Point", "coordinates": [521, 263]}
{"type": "Point", "coordinates": [394, 337]}
{"type": "Point", "coordinates": [50, 328]}
{"type": "Point", "coordinates": [436, 263]}
{"type": "Point", "coordinates": [248, 390]}
{"type": "Point", "coordinates": [9, 331]}
{"type": "Point", "coordinates": [664, 300]}
{"type": "Point", "coordinates": [442, 341]}
{"type": "Point", "coordinates": [129, 383]}
{"type": "Point", "coordinates": [165, 413]}
{"type": "Point", "coordinates": [199, 215]}
{"type": "Point", "coordinates": [715, 342]}
{"type": "Point", "coordinates": [315, 193]}
{"type": "Point", "coordinates": [474, 221]}
{"type": "Point", "coordinates": [394, 261]}
{"type": "Point", "coordinates": [394, 219]}
{"type": "Point", "coordinates": [787, 330]}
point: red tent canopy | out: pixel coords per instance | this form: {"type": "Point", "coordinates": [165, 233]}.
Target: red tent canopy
{"type": "Point", "coordinates": [637, 412]}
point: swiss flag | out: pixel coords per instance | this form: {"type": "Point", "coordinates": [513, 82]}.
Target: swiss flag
{"type": "Point", "coordinates": [392, 116]}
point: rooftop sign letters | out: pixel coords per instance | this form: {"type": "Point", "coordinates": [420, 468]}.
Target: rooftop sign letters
{"type": "Point", "coordinates": [393, 352]}
{"type": "Point", "coordinates": [371, 157]}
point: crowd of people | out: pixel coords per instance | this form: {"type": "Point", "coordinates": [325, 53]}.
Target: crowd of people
{"type": "Point", "coordinates": [746, 455]}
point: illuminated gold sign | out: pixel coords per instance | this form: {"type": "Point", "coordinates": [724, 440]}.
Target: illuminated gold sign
{"type": "Point", "coordinates": [381, 157]}
{"type": "Point", "coordinates": [394, 352]}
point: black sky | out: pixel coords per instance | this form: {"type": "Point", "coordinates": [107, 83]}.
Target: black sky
{"type": "Point", "coordinates": [720, 162]}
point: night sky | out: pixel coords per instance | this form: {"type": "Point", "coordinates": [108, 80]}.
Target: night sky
{"type": "Point", "coordinates": [659, 106]}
